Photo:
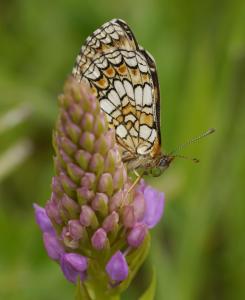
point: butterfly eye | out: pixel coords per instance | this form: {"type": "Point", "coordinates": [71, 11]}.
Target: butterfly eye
{"type": "Point", "coordinates": [155, 172]}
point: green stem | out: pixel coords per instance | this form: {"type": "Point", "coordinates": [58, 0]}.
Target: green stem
{"type": "Point", "coordinates": [90, 291]}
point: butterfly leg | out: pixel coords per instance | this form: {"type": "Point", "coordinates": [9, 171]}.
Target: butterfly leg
{"type": "Point", "coordinates": [139, 176]}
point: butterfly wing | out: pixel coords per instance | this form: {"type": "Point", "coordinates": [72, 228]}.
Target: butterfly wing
{"type": "Point", "coordinates": [122, 75]}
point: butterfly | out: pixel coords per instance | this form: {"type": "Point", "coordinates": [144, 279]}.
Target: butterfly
{"type": "Point", "coordinates": [123, 76]}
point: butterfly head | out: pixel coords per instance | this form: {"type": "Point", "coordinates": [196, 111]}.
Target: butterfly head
{"type": "Point", "coordinates": [162, 164]}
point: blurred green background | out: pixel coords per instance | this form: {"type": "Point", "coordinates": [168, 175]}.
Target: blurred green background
{"type": "Point", "coordinates": [199, 247]}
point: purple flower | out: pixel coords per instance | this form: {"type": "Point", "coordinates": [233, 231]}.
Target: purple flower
{"type": "Point", "coordinates": [139, 206]}
{"type": "Point", "coordinates": [136, 235]}
{"type": "Point", "coordinates": [76, 230]}
{"type": "Point", "coordinates": [117, 267]}
{"type": "Point", "coordinates": [93, 205]}
{"type": "Point", "coordinates": [129, 219]}
{"type": "Point", "coordinates": [110, 223]}
{"type": "Point", "coordinates": [99, 239]}
{"type": "Point", "coordinates": [88, 217]}
{"type": "Point", "coordinates": [73, 266]}
{"type": "Point", "coordinates": [54, 249]}
{"type": "Point", "coordinates": [42, 219]}
{"type": "Point", "coordinates": [154, 204]}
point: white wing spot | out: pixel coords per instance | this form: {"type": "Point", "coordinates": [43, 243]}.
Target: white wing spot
{"type": "Point", "coordinates": [92, 72]}
{"type": "Point", "coordinates": [119, 88]}
{"type": "Point", "coordinates": [145, 132]}
{"type": "Point", "coordinates": [107, 106]}
{"type": "Point", "coordinates": [130, 117]}
{"type": "Point", "coordinates": [147, 97]}
{"type": "Point", "coordinates": [152, 136]}
{"type": "Point", "coordinates": [115, 35]}
{"type": "Point", "coordinates": [114, 98]}
{"type": "Point", "coordinates": [106, 40]}
{"type": "Point", "coordinates": [109, 29]}
{"type": "Point", "coordinates": [138, 95]}
{"type": "Point", "coordinates": [129, 89]}
{"type": "Point", "coordinates": [121, 131]}
{"type": "Point", "coordinates": [143, 149]}
{"type": "Point", "coordinates": [133, 132]}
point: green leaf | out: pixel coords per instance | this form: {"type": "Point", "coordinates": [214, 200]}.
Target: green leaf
{"type": "Point", "coordinates": [81, 292]}
{"type": "Point", "coordinates": [94, 288]}
{"type": "Point", "coordinates": [150, 292]}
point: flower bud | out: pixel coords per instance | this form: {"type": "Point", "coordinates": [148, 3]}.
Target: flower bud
{"type": "Point", "coordinates": [136, 235]}
{"type": "Point", "coordinates": [75, 111]}
{"type": "Point", "coordinates": [110, 137]}
{"type": "Point", "coordinates": [63, 158]}
{"type": "Point", "coordinates": [110, 162]}
{"type": "Point", "coordinates": [88, 180]}
{"type": "Point", "coordinates": [88, 217]}
{"type": "Point", "coordinates": [110, 223]}
{"type": "Point", "coordinates": [77, 231]}
{"type": "Point", "coordinates": [84, 195]}
{"type": "Point", "coordinates": [96, 164]}
{"type": "Point", "coordinates": [71, 206]}
{"type": "Point", "coordinates": [117, 267]}
{"type": "Point", "coordinates": [116, 201]}
{"type": "Point", "coordinates": [64, 214]}
{"type": "Point", "coordinates": [73, 266]}
{"type": "Point", "coordinates": [139, 206]}
{"type": "Point", "coordinates": [74, 172]}
{"type": "Point", "coordinates": [68, 185]}
{"type": "Point", "coordinates": [42, 219]}
{"type": "Point", "coordinates": [128, 216]}
{"type": "Point", "coordinates": [88, 103]}
{"type": "Point", "coordinates": [105, 184]}
{"type": "Point", "coordinates": [99, 239]}
{"type": "Point", "coordinates": [73, 131]}
{"type": "Point", "coordinates": [52, 246]}
{"type": "Point", "coordinates": [87, 122]}
{"type": "Point", "coordinates": [56, 186]}
{"type": "Point", "coordinates": [100, 124]}
{"type": "Point", "coordinates": [68, 146]}
{"type": "Point", "coordinates": [83, 158]}
{"type": "Point", "coordinates": [101, 145]}
{"type": "Point", "coordinates": [68, 240]}
{"type": "Point", "coordinates": [87, 141]}
{"type": "Point", "coordinates": [154, 205]}
{"type": "Point", "coordinates": [118, 178]}
{"type": "Point", "coordinates": [100, 204]}
{"type": "Point", "coordinates": [117, 155]}
{"type": "Point", "coordinates": [52, 211]}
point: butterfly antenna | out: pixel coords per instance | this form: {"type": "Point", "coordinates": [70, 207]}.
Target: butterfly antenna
{"type": "Point", "coordinates": [195, 160]}
{"type": "Point", "coordinates": [192, 141]}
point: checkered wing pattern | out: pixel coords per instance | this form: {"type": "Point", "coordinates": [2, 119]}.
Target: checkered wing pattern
{"type": "Point", "coordinates": [122, 75]}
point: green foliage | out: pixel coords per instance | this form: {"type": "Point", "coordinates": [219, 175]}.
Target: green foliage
{"type": "Point", "coordinates": [199, 247]}
{"type": "Point", "coordinates": [149, 294]}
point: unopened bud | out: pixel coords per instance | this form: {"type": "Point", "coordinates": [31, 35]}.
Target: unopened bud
{"type": "Point", "coordinates": [110, 223]}
{"type": "Point", "coordinates": [128, 216]}
{"type": "Point", "coordinates": [83, 158]}
{"type": "Point", "coordinates": [137, 235]}
{"type": "Point", "coordinates": [99, 239]}
{"type": "Point", "coordinates": [88, 217]}
{"type": "Point", "coordinates": [106, 184]}
{"type": "Point", "coordinates": [71, 206]}
{"type": "Point", "coordinates": [100, 203]}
